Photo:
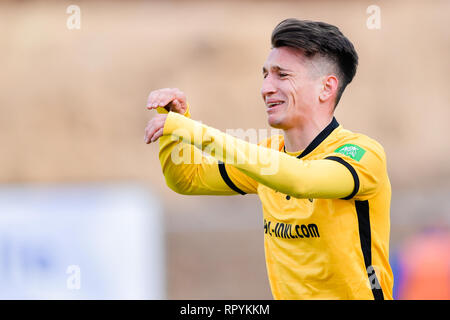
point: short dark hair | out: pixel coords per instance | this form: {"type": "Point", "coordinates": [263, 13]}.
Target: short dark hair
{"type": "Point", "coordinates": [319, 38]}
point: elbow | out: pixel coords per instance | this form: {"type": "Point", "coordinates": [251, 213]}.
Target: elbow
{"type": "Point", "coordinates": [173, 180]}
{"type": "Point", "coordinates": [177, 186]}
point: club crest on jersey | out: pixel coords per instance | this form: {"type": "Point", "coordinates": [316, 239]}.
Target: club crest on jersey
{"type": "Point", "coordinates": [351, 150]}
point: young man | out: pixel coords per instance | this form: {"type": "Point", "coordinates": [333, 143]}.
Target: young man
{"type": "Point", "coordinates": [325, 191]}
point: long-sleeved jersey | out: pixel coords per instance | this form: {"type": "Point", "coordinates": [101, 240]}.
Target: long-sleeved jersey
{"type": "Point", "coordinates": [325, 208]}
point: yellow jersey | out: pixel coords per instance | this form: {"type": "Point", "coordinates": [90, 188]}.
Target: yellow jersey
{"type": "Point", "coordinates": [325, 209]}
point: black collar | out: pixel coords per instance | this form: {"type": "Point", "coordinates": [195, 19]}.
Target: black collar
{"type": "Point", "coordinates": [319, 138]}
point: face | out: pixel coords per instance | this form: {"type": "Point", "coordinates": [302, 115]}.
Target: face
{"type": "Point", "coordinates": [290, 88]}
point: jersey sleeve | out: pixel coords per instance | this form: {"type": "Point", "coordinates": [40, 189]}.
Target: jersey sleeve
{"type": "Point", "coordinates": [366, 161]}
{"type": "Point", "coordinates": [239, 181]}
{"type": "Point", "coordinates": [299, 178]}
{"type": "Point", "coordinates": [187, 170]}
{"type": "Point", "coordinates": [236, 180]}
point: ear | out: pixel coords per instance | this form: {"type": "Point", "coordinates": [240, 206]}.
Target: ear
{"type": "Point", "coordinates": [329, 88]}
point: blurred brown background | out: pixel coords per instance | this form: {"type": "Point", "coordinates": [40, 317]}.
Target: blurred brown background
{"type": "Point", "coordinates": [72, 109]}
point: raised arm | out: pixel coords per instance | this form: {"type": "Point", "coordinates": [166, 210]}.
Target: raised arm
{"type": "Point", "coordinates": [186, 169]}
{"type": "Point", "coordinates": [277, 170]}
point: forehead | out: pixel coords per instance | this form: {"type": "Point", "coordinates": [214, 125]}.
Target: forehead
{"type": "Point", "coordinates": [285, 58]}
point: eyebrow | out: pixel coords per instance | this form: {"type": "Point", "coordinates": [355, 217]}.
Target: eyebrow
{"type": "Point", "coordinates": [276, 68]}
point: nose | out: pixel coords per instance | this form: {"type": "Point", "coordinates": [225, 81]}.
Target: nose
{"type": "Point", "coordinates": [268, 87]}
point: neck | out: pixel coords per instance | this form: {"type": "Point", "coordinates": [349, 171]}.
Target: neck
{"type": "Point", "coordinates": [298, 138]}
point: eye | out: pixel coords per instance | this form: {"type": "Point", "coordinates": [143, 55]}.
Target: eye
{"type": "Point", "coordinates": [264, 75]}
{"type": "Point", "coordinates": [282, 75]}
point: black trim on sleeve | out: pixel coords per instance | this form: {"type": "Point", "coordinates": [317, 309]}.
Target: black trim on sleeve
{"type": "Point", "coordinates": [362, 212]}
{"type": "Point", "coordinates": [226, 178]}
{"type": "Point", "coordinates": [352, 171]}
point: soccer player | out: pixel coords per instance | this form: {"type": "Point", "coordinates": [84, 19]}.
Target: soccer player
{"type": "Point", "coordinates": [325, 190]}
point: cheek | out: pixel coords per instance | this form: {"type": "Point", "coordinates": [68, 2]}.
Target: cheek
{"type": "Point", "coordinates": [308, 94]}
{"type": "Point", "coordinates": [292, 90]}
{"type": "Point", "coordinates": [296, 93]}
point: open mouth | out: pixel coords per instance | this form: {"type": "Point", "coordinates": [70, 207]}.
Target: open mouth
{"type": "Point", "coordinates": [272, 106]}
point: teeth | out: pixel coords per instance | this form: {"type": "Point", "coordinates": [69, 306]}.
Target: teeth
{"type": "Point", "coordinates": [274, 104]}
